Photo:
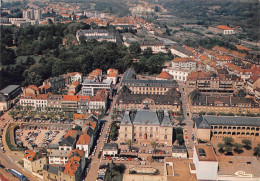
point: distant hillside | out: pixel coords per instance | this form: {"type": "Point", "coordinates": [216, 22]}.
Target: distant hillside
{"type": "Point", "coordinates": [117, 7]}
{"type": "Point", "coordinates": [242, 13]}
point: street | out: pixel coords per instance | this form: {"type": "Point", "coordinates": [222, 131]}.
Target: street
{"type": "Point", "coordinates": [188, 121]}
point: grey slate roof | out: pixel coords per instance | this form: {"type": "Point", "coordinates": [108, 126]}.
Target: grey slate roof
{"type": "Point", "coordinates": [68, 141]}
{"type": "Point", "coordinates": [207, 121]}
{"type": "Point", "coordinates": [51, 169]}
{"type": "Point", "coordinates": [126, 119]}
{"type": "Point", "coordinates": [53, 146]}
{"type": "Point", "coordinates": [110, 146]}
{"type": "Point", "coordinates": [9, 89]}
{"type": "Point", "coordinates": [146, 117]}
{"type": "Point", "coordinates": [59, 153]}
{"type": "Point", "coordinates": [179, 149]}
{"type": "Point", "coordinates": [181, 49]}
{"type": "Point", "coordinates": [170, 98]}
{"type": "Point", "coordinates": [166, 120]}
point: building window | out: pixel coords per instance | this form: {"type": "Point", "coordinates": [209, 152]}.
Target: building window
{"type": "Point", "coordinates": [125, 135]}
{"type": "Point", "coordinates": [125, 129]}
{"type": "Point", "coordinates": [165, 137]}
{"type": "Point", "coordinates": [156, 129]}
{"type": "Point", "coordinates": [140, 135]}
{"type": "Point", "coordinates": [145, 128]}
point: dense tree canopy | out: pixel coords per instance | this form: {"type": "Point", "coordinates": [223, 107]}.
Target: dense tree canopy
{"type": "Point", "coordinates": [52, 50]}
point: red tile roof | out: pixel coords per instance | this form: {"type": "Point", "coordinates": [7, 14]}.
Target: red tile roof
{"type": "Point", "coordinates": [165, 75]}
{"type": "Point", "coordinates": [71, 133]}
{"type": "Point", "coordinates": [76, 83]}
{"type": "Point", "coordinates": [224, 27]}
{"type": "Point", "coordinates": [83, 139]}
{"type": "Point", "coordinates": [33, 87]}
{"type": "Point", "coordinates": [29, 154]}
{"type": "Point", "coordinates": [80, 116]}
{"type": "Point", "coordinates": [178, 59]}
{"type": "Point", "coordinates": [70, 98]}
{"type": "Point", "coordinates": [74, 73]}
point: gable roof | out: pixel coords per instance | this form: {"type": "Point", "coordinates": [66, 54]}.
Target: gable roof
{"type": "Point", "coordinates": [68, 141]}
{"type": "Point", "coordinates": [224, 27]}
{"type": "Point", "coordinates": [165, 75]}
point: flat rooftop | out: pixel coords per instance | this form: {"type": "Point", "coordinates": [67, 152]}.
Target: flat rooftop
{"type": "Point", "coordinates": [181, 170]}
{"type": "Point", "coordinates": [232, 165]}
{"type": "Point", "coordinates": [206, 153]}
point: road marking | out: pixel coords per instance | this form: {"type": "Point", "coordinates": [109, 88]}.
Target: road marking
{"type": "Point", "coordinates": [10, 158]}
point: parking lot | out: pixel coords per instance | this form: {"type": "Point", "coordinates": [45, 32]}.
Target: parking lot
{"type": "Point", "coordinates": [39, 137]}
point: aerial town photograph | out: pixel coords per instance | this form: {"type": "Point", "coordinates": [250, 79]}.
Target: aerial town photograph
{"type": "Point", "coordinates": [130, 90]}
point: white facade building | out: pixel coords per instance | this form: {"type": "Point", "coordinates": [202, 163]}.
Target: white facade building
{"type": "Point", "coordinates": [206, 163]}
{"type": "Point", "coordinates": [59, 157]}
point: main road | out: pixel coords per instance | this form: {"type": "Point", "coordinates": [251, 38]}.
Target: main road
{"type": "Point", "coordinates": [188, 121]}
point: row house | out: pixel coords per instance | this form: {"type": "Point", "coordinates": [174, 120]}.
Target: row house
{"type": "Point", "coordinates": [99, 101]}
{"type": "Point", "coordinates": [113, 75]}
{"type": "Point", "coordinates": [200, 102]}
{"type": "Point", "coordinates": [71, 171]}
{"type": "Point", "coordinates": [34, 160]}
{"type": "Point", "coordinates": [70, 103]}
{"type": "Point", "coordinates": [88, 135]}
{"type": "Point", "coordinates": [35, 101]}
{"type": "Point", "coordinates": [253, 83]}
{"type": "Point", "coordinates": [244, 74]}
{"type": "Point", "coordinates": [208, 127]}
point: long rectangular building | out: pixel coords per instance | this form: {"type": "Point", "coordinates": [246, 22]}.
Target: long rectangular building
{"type": "Point", "coordinates": [207, 127]}
{"type": "Point", "coordinates": [222, 104]}
{"type": "Point", "coordinates": [138, 86]}
{"type": "Point", "coordinates": [168, 102]}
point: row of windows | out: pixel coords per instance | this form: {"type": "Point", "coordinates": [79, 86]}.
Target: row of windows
{"type": "Point", "coordinates": [236, 133]}
{"type": "Point", "coordinates": [234, 127]}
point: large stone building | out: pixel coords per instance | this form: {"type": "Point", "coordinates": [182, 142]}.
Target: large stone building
{"type": "Point", "coordinates": [207, 127]}
{"type": "Point", "coordinates": [139, 86]}
{"type": "Point", "coordinates": [8, 95]}
{"type": "Point", "coordinates": [146, 126]}
{"type": "Point", "coordinates": [167, 102]}
{"type": "Point", "coordinates": [201, 102]}
{"type": "Point", "coordinates": [213, 82]}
